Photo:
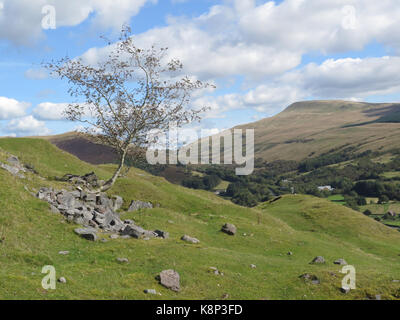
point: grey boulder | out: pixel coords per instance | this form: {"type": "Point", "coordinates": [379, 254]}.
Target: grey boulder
{"type": "Point", "coordinates": [87, 233]}
{"type": "Point", "coordinates": [161, 234]}
{"type": "Point", "coordinates": [318, 260]}
{"type": "Point", "coordinates": [133, 231]}
{"type": "Point", "coordinates": [229, 228]}
{"type": "Point", "coordinates": [170, 279]}
{"type": "Point", "coordinates": [137, 205]}
{"type": "Point", "coordinates": [340, 262]}
{"type": "Point", "coordinates": [118, 202]}
{"type": "Point", "coordinates": [190, 239]}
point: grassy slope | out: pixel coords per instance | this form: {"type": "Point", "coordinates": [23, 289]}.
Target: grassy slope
{"type": "Point", "coordinates": [304, 225]}
{"type": "Point", "coordinates": [310, 128]}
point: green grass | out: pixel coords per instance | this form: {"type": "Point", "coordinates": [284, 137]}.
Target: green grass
{"type": "Point", "coordinates": [391, 174]}
{"type": "Point", "coordinates": [380, 209]}
{"type": "Point", "coordinates": [32, 237]}
{"type": "Point", "coordinates": [337, 198]}
{"type": "Point", "coordinates": [223, 185]}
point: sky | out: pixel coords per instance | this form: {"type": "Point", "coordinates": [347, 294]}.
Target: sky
{"type": "Point", "coordinates": [261, 55]}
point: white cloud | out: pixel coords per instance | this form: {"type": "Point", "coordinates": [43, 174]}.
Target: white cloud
{"type": "Point", "coordinates": [266, 40]}
{"type": "Point", "coordinates": [36, 74]}
{"type": "Point", "coordinates": [11, 108]}
{"type": "Point", "coordinates": [50, 111]}
{"type": "Point", "coordinates": [349, 77]}
{"type": "Point", "coordinates": [260, 43]}
{"type": "Point", "coordinates": [55, 111]}
{"type": "Point", "coordinates": [21, 20]}
{"type": "Point", "coordinates": [27, 126]}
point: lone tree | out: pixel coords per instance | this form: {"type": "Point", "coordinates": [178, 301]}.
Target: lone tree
{"type": "Point", "coordinates": [127, 94]}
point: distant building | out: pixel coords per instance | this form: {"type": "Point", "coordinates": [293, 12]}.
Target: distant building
{"type": "Point", "coordinates": [326, 188]}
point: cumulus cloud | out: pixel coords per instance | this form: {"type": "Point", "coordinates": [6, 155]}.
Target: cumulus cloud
{"type": "Point", "coordinates": [351, 77]}
{"type": "Point", "coordinates": [259, 41]}
{"type": "Point", "coordinates": [36, 74]}
{"type": "Point", "coordinates": [262, 43]}
{"type": "Point", "coordinates": [21, 20]}
{"type": "Point", "coordinates": [11, 108]}
{"type": "Point", "coordinates": [27, 126]}
{"type": "Point", "coordinates": [55, 111]}
{"type": "Point", "coordinates": [50, 111]}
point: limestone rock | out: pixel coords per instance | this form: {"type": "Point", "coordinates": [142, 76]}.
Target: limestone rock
{"type": "Point", "coordinates": [62, 280]}
{"type": "Point", "coordinates": [87, 233]}
{"type": "Point", "coordinates": [117, 203]}
{"type": "Point", "coordinates": [137, 205]}
{"type": "Point", "coordinates": [229, 229]}
{"type": "Point", "coordinates": [170, 279]}
{"type": "Point", "coordinates": [340, 262]}
{"type": "Point", "coordinates": [162, 234]}
{"type": "Point", "coordinates": [318, 260]}
{"type": "Point", "coordinates": [133, 231]}
{"type": "Point", "coordinates": [190, 239]}
{"type": "Point", "coordinates": [123, 260]}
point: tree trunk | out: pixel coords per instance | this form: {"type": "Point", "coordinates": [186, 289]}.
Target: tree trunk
{"type": "Point", "coordinates": [114, 178]}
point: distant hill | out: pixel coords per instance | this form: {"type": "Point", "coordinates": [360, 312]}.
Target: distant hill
{"type": "Point", "coordinates": [311, 128]}
{"type": "Point", "coordinates": [83, 147]}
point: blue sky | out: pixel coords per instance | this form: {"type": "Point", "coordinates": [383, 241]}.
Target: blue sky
{"type": "Point", "coordinates": [262, 55]}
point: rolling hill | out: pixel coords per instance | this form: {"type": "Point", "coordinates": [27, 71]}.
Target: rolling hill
{"type": "Point", "coordinates": [31, 237]}
{"type": "Point", "coordinates": [303, 130]}
{"type": "Point", "coordinates": [311, 128]}
{"type": "Point", "coordinates": [82, 146]}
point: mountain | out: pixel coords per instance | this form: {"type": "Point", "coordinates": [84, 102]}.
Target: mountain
{"type": "Point", "coordinates": [311, 128]}
{"type": "Point", "coordinates": [31, 236]}
{"type": "Point", "coordinates": [303, 130]}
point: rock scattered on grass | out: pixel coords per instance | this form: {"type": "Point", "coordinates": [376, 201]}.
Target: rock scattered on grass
{"type": "Point", "coordinates": [229, 228]}
{"type": "Point", "coordinates": [161, 234]}
{"type": "Point", "coordinates": [123, 260]}
{"type": "Point", "coordinates": [87, 233]}
{"type": "Point", "coordinates": [137, 205]}
{"type": "Point", "coordinates": [150, 291]}
{"type": "Point", "coordinates": [170, 279]}
{"type": "Point", "coordinates": [190, 239]}
{"type": "Point", "coordinates": [340, 262]}
{"type": "Point", "coordinates": [253, 266]}
{"type": "Point", "coordinates": [62, 280]}
{"type": "Point", "coordinates": [318, 260]}
{"type": "Point", "coordinates": [310, 278]}
{"type": "Point", "coordinates": [216, 271]}
{"type": "Point", "coordinates": [345, 290]}
{"type": "Point", "coordinates": [64, 253]}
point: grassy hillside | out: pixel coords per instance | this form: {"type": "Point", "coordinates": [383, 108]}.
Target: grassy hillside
{"type": "Point", "coordinates": [31, 237]}
{"type": "Point", "coordinates": [311, 128]}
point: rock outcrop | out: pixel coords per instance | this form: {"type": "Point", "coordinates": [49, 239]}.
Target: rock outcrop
{"type": "Point", "coordinates": [16, 168]}
{"type": "Point", "coordinates": [94, 212]}
{"type": "Point", "coordinates": [137, 205]}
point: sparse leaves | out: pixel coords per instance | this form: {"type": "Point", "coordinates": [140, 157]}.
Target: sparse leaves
{"type": "Point", "coordinates": [128, 94]}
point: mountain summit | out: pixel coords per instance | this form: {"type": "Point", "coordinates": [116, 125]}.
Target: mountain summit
{"type": "Point", "coordinates": [310, 128]}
